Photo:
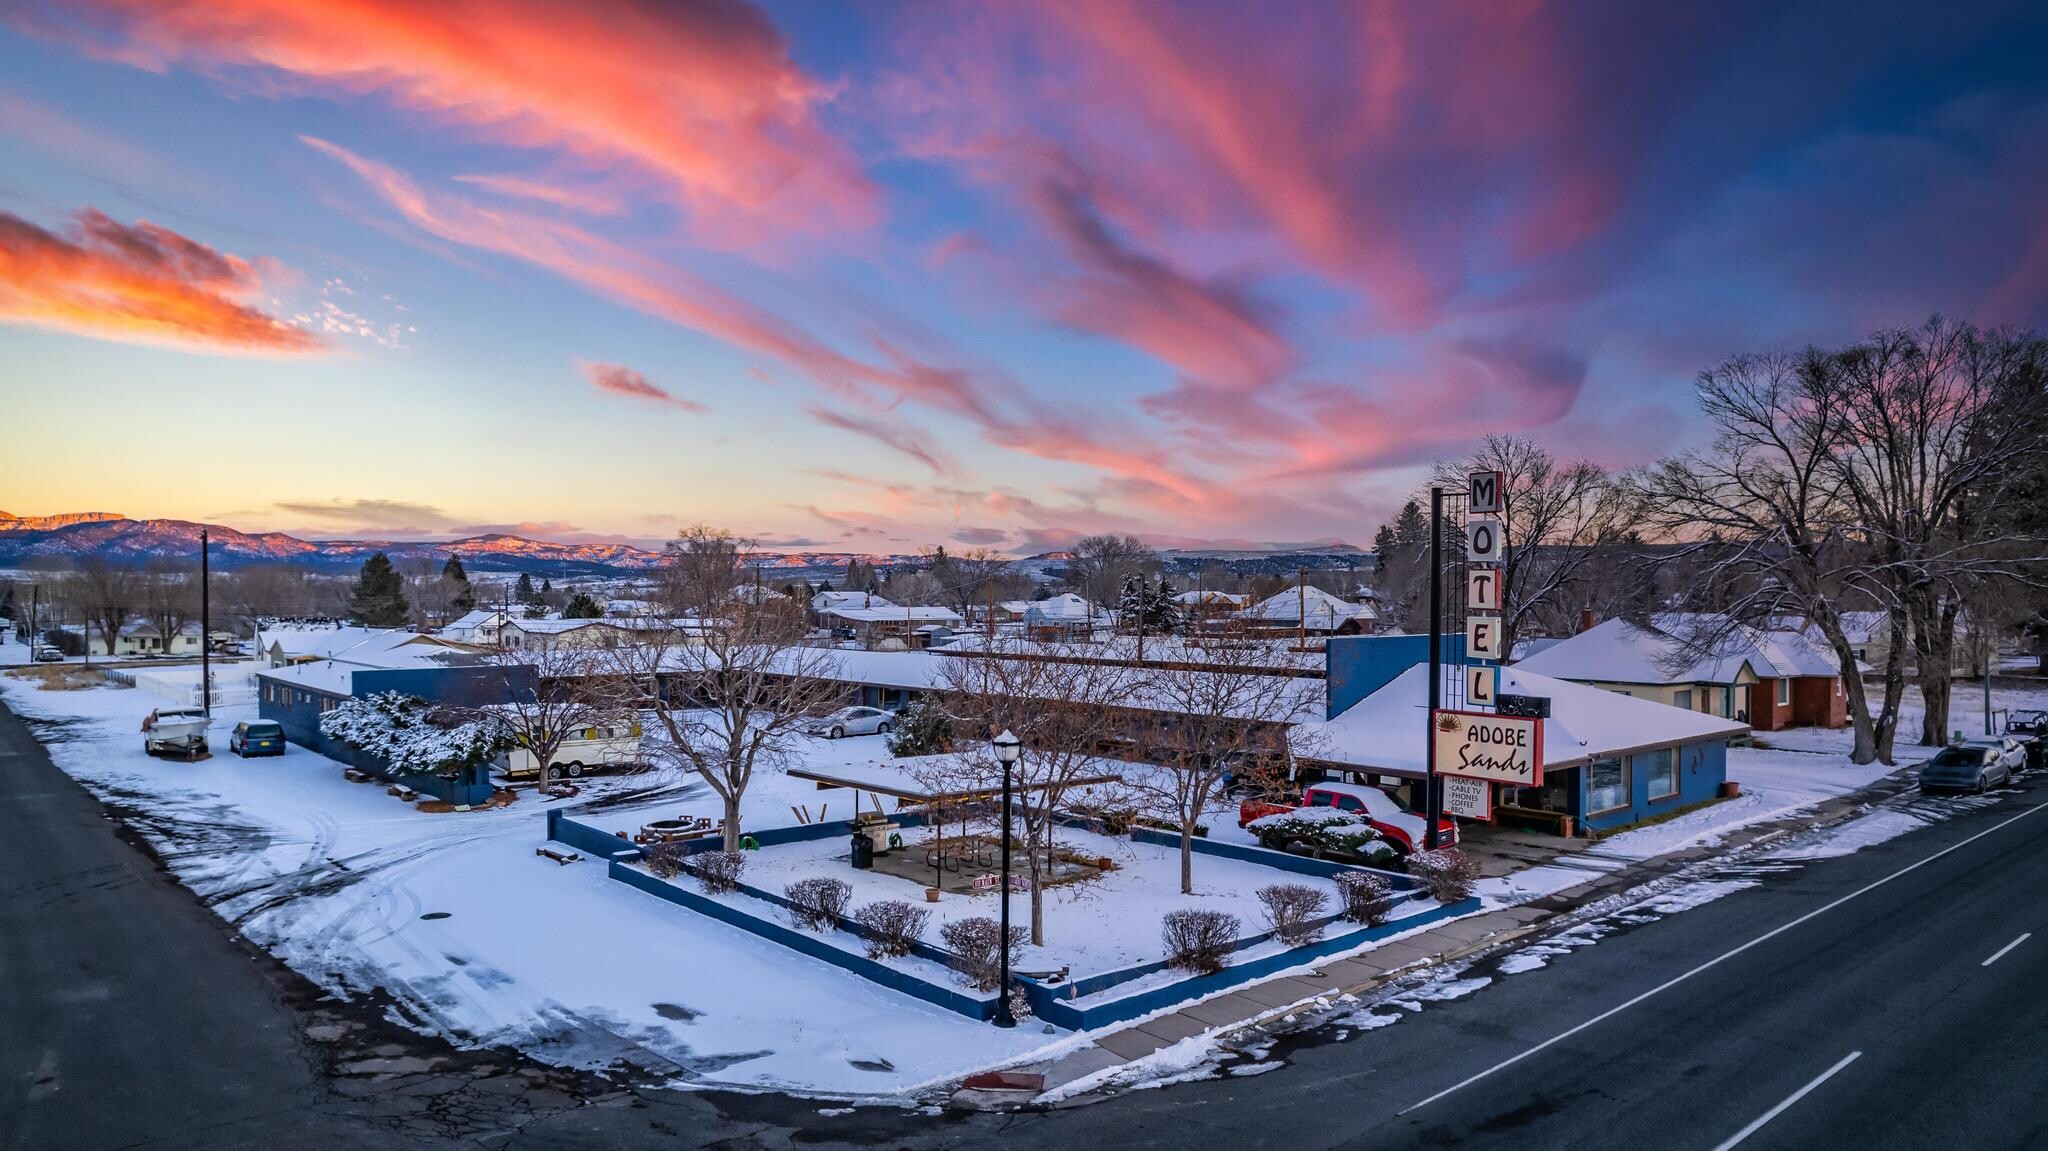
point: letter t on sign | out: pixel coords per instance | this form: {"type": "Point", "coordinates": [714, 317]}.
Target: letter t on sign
{"type": "Point", "coordinates": [1482, 589]}
{"type": "Point", "coordinates": [1486, 490]}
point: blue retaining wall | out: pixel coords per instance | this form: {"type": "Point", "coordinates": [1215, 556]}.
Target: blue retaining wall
{"type": "Point", "coordinates": [810, 945]}
{"type": "Point", "coordinates": [1048, 1002]}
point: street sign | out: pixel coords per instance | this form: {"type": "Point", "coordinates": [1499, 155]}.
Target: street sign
{"type": "Point", "coordinates": [1484, 491]}
{"type": "Point", "coordinates": [1531, 706]}
{"type": "Point", "coordinates": [1482, 589]}
{"type": "Point", "coordinates": [1482, 540]}
{"type": "Point", "coordinates": [1482, 637]}
{"type": "Point", "coordinates": [1468, 798]}
{"type": "Point", "coordinates": [1478, 745]}
{"type": "Point", "coordinates": [1479, 684]}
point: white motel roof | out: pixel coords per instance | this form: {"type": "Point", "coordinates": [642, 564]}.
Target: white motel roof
{"type": "Point", "coordinates": [1387, 730]}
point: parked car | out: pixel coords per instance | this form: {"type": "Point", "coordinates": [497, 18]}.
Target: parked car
{"type": "Point", "coordinates": [256, 737]}
{"type": "Point", "coordinates": [2031, 729]}
{"type": "Point", "coordinates": [47, 654]}
{"type": "Point", "coordinates": [1977, 766]}
{"type": "Point", "coordinates": [584, 750]}
{"type": "Point", "coordinates": [1406, 829]}
{"type": "Point", "coordinates": [854, 721]}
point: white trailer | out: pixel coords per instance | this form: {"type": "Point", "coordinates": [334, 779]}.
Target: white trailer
{"type": "Point", "coordinates": [583, 751]}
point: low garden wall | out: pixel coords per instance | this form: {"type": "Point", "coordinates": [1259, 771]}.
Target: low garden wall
{"type": "Point", "coordinates": [1050, 1002]}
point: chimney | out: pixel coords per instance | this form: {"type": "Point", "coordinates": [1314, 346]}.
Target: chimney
{"type": "Point", "coordinates": [1586, 619]}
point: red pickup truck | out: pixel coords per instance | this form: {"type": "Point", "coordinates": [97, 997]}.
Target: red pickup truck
{"type": "Point", "coordinates": [1404, 828]}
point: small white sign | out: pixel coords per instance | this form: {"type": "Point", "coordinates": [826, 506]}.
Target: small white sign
{"type": "Point", "coordinates": [1485, 491]}
{"type": "Point", "coordinates": [1482, 637]}
{"type": "Point", "coordinates": [1479, 683]}
{"type": "Point", "coordinates": [1482, 540]}
{"type": "Point", "coordinates": [1467, 798]}
{"type": "Point", "coordinates": [1502, 748]}
{"type": "Point", "coordinates": [1482, 589]}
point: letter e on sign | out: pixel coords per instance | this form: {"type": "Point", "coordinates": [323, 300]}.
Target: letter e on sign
{"type": "Point", "coordinates": [1485, 490]}
{"type": "Point", "coordinates": [1482, 589]}
{"type": "Point", "coordinates": [1482, 637]}
{"type": "Point", "coordinates": [1482, 540]}
{"type": "Point", "coordinates": [1479, 686]}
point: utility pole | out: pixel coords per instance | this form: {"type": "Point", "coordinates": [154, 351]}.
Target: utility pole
{"type": "Point", "coordinates": [1300, 610]}
{"type": "Point", "coordinates": [1433, 798]}
{"type": "Point", "coordinates": [205, 633]}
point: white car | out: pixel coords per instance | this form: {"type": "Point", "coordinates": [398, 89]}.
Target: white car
{"type": "Point", "coordinates": [854, 721]}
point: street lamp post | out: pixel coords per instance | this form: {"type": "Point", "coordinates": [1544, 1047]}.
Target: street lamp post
{"type": "Point", "coordinates": [1008, 748]}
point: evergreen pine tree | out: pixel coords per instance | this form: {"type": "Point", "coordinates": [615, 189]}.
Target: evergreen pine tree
{"type": "Point", "coordinates": [582, 606]}
{"type": "Point", "coordinates": [378, 597]}
{"type": "Point", "coordinates": [1042, 592]}
{"type": "Point", "coordinates": [1130, 605]}
{"type": "Point", "coordinates": [523, 590]}
{"type": "Point", "coordinates": [462, 597]}
{"type": "Point", "coordinates": [1162, 615]}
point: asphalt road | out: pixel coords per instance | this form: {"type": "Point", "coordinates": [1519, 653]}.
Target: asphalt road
{"type": "Point", "coordinates": [1845, 1004]}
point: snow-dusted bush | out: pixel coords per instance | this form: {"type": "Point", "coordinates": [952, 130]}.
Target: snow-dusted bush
{"type": "Point", "coordinates": [666, 857]}
{"type": "Point", "coordinates": [1290, 909]}
{"type": "Point", "coordinates": [893, 926]}
{"type": "Point", "coordinates": [412, 736]}
{"type": "Point", "coordinates": [818, 902]}
{"type": "Point", "coordinates": [923, 728]}
{"type": "Point", "coordinates": [1326, 828]}
{"type": "Point", "coordinates": [717, 871]}
{"type": "Point", "coordinates": [1446, 873]}
{"type": "Point", "coordinates": [977, 941]}
{"type": "Point", "coordinates": [1198, 941]}
{"type": "Point", "coordinates": [1367, 898]}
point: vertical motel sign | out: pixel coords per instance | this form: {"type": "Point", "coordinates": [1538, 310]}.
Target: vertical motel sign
{"type": "Point", "coordinates": [1469, 787]}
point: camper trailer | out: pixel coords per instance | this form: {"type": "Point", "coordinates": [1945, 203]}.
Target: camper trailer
{"type": "Point", "coordinates": [586, 750]}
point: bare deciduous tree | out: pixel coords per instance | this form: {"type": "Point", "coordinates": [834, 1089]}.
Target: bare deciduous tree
{"type": "Point", "coordinates": [105, 595]}
{"type": "Point", "coordinates": [699, 569]}
{"type": "Point", "coordinates": [569, 693]}
{"type": "Point", "coordinates": [730, 697]}
{"type": "Point", "coordinates": [1102, 563]}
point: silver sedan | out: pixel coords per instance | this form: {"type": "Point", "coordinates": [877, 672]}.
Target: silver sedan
{"type": "Point", "coordinates": [854, 721]}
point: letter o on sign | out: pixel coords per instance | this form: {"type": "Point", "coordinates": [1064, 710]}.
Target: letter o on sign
{"type": "Point", "coordinates": [1482, 539]}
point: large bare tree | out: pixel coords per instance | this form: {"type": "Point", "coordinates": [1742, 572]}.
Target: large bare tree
{"type": "Point", "coordinates": [729, 696]}
{"type": "Point", "coordinates": [1056, 706]}
{"type": "Point", "coordinates": [569, 692]}
{"type": "Point", "coordinates": [1102, 563]}
{"type": "Point", "coordinates": [1562, 517]}
{"type": "Point", "coordinates": [699, 569]}
{"type": "Point", "coordinates": [1225, 714]}
{"type": "Point", "coordinates": [105, 595]}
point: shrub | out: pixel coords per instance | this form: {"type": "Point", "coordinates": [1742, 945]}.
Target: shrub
{"type": "Point", "coordinates": [818, 902]}
{"type": "Point", "coordinates": [892, 926]}
{"type": "Point", "coordinates": [1446, 873]}
{"type": "Point", "coordinates": [1290, 908]}
{"type": "Point", "coordinates": [1198, 941]}
{"type": "Point", "coordinates": [665, 858]}
{"type": "Point", "coordinates": [1326, 828]}
{"type": "Point", "coordinates": [977, 942]}
{"type": "Point", "coordinates": [923, 728]}
{"type": "Point", "coordinates": [1367, 898]}
{"type": "Point", "coordinates": [718, 871]}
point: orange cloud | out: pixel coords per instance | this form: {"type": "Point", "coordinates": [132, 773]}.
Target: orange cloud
{"type": "Point", "coordinates": [624, 381]}
{"type": "Point", "coordinates": [137, 283]}
{"type": "Point", "coordinates": [701, 99]}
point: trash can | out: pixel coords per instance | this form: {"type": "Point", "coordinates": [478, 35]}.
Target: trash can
{"type": "Point", "coordinates": [863, 852]}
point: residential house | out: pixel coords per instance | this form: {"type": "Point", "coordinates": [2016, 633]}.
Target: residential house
{"type": "Point", "coordinates": [284, 646]}
{"type": "Point", "coordinates": [1064, 617]}
{"type": "Point", "coordinates": [1766, 679]}
{"type": "Point", "coordinates": [1310, 610]}
{"type": "Point", "coordinates": [547, 634]}
{"type": "Point", "coordinates": [141, 637]}
{"type": "Point", "coordinates": [479, 627]}
{"type": "Point", "coordinates": [878, 623]}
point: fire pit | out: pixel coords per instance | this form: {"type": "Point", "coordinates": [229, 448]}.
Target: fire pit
{"type": "Point", "coordinates": [666, 829]}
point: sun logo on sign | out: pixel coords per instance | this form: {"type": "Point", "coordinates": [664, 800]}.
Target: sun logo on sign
{"type": "Point", "coordinates": [1448, 724]}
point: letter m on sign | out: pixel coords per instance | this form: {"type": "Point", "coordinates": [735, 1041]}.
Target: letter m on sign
{"type": "Point", "coordinates": [1486, 490]}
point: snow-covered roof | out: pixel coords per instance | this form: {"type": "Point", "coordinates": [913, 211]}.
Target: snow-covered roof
{"type": "Point", "coordinates": [471, 620]}
{"type": "Point", "coordinates": [1387, 730]}
{"type": "Point", "coordinates": [1063, 608]}
{"type": "Point", "coordinates": [755, 593]}
{"type": "Point", "coordinates": [1530, 645]}
{"type": "Point", "coordinates": [1212, 599]}
{"type": "Point", "coordinates": [623, 623]}
{"type": "Point", "coordinates": [1311, 605]}
{"type": "Point", "coordinates": [368, 645]}
{"type": "Point", "coordinates": [335, 677]}
{"type": "Point", "coordinates": [1679, 648]}
{"type": "Point", "coordinates": [827, 600]}
{"type": "Point", "coordinates": [893, 614]}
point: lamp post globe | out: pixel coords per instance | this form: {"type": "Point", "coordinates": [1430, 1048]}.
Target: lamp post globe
{"type": "Point", "coordinates": [1008, 749]}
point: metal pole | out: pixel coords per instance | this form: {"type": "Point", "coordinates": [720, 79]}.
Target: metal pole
{"type": "Point", "coordinates": [1433, 800]}
{"type": "Point", "coordinates": [205, 633]}
{"type": "Point", "coordinates": [1984, 650]}
{"type": "Point", "coordinates": [1003, 1017]}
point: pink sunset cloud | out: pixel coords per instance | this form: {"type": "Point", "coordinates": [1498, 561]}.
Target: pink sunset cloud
{"type": "Point", "coordinates": [624, 381]}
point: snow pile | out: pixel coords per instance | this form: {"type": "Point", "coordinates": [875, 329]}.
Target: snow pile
{"type": "Point", "coordinates": [1853, 836]}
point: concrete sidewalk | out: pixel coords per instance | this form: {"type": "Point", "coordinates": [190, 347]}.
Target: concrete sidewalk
{"type": "Point", "coordinates": [1360, 973]}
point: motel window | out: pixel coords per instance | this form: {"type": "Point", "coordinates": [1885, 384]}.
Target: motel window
{"type": "Point", "coordinates": [1784, 693]}
{"type": "Point", "coordinates": [1682, 698]}
{"type": "Point", "coordinates": [1606, 785]}
{"type": "Point", "coordinates": [1660, 768]}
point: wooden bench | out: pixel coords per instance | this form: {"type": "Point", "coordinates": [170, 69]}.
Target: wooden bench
{"type": "Point", "coordinates": [562, 857]}
{"type": "Point", "coordinates": [1557, 821]}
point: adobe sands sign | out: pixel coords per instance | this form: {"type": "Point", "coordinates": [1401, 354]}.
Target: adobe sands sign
{"type": "Point", "coordinates": [1497, 748]}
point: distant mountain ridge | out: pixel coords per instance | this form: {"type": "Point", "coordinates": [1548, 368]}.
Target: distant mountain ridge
{"type": "Point", "coordinates": [76, 535]}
